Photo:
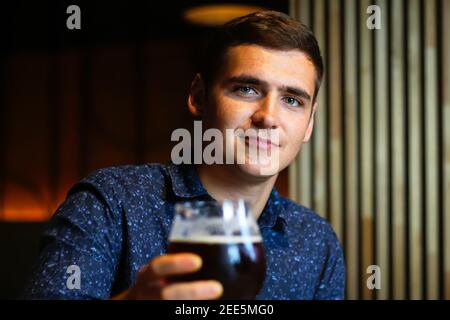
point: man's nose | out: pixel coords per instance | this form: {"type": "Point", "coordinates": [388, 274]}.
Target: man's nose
{"type": "Point", "coordinates": [265, 115]}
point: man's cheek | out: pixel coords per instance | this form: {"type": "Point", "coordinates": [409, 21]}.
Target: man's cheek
{"type": "Point", "coordinates": [293, 147]}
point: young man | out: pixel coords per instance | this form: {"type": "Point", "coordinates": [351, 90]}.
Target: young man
{"type": "Point", "coordinates": [261, 72]}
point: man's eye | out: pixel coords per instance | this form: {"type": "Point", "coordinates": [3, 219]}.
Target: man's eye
{"type": "Point", "coordinates": [292, 101]}
{"type": "Point", "coordinates": [245, 90]}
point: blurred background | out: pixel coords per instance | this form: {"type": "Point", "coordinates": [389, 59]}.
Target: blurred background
{"type": "Point", "coordinates": [73, 101]}
{"type": "Point", "coordinates": [378, 166]}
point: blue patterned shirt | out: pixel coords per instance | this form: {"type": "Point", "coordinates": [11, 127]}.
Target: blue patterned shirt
{"type": "Point", "coordinates": [117, 219]}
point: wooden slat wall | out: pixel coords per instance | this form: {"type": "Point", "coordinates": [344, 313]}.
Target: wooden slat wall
{"type": "Point", "coordinates": [350, 143]}
{"type": "Point", "coordinates": [76, 115]}
{"type": "Point", "coordinates": [378, 165]}
{"type": "Point", "coordinates": [399, 271]}
{"type": "Point", "coordinates": [445, 158]}
{"type": "Point", "coordinates": [381, 141]}
{"type": "Point", "coordinates": [431, 150]}
{"type": "Point", "coordinates": [414, 133]}
{"type": "Point", "coordinates": [444, 115]}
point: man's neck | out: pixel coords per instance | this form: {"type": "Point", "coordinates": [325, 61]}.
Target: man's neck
{"type": "Point", "coordinates": [228, 182]}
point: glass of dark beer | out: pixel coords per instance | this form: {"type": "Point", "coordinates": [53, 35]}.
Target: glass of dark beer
{"type": "Point", "coordinates": [227, 238]}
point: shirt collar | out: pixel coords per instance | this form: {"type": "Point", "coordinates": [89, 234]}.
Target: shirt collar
{"type": "Point", "coordinates": [273, 212]}
{"type": "Point", "coordinates": [186, 184]}
{"type": "Point", "coordinates": [185, 181]}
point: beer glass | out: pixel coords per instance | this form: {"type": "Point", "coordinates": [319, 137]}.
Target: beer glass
{"type": "Point", "coordinates": [227, 238]}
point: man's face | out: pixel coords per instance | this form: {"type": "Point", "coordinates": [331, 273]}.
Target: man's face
{"type": "Point", "coordinates": [259, 88]}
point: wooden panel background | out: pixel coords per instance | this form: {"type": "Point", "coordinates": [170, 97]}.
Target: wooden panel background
{"type": "Point", "coordinates": [378, 165]}
{"type": "Point", "coordinates": [75, 101]}
{"type": "Point", "coordinates": [69, 111]}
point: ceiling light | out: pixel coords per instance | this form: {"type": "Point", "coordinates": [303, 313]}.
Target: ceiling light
{"type": "Point", "coordinates": [218, 14]}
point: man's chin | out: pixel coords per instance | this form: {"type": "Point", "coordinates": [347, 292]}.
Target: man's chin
{"type": "Point", "coordinates": [259, 170]}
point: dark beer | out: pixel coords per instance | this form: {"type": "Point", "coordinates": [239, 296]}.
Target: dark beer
{"type": "Point", "coordinates": [236, 262]}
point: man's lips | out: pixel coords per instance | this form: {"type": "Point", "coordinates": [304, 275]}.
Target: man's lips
{"type": "Point", "coordinates": [260, 142]}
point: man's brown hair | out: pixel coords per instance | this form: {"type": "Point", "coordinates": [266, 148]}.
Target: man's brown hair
{"type": "Point", "coordinates": [269, 29]}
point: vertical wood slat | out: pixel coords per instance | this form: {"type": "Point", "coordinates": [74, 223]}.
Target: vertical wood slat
{"type": "Point", "coordinates": [334, 76]}
{"type": "Point", "coordinates": [446, 139]}
{"type": "Point", "coordinates": [414, 146]}
{"type": "Point", "coordinates": [293, 168]}
{"type": "Point", "coordinates": [366, 107]}
{"type": "Point", "coordinates": [381, 112]}
{"type": "Point", "coordinates": [397, 154]}
{"type": "Point", "coordinates": [3, 130]}
{"type": "Point", "coordinates": [70, 99]}
{"type": "Point", "coordinates": [293, 9]}
{"type": "Point", "coordinates": [293, 180]}
{"type": "Point", "coordinates": [351, 145]}
{"type": "Point", "coordinates": [319, 136]}
{"type": "Point", "coordinates": [431, 138]}
{"type": "Point", "coordinates": [305, 174]}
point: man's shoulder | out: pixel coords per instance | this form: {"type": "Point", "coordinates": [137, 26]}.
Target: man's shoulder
{"type": "Point", "coordinates": [125, 180]}
{"type": "Point", "coordinates": [305, 218]}
{"type": "Point", "coordinates": [298, 212]}
{"type": "Point", "coordinates": [126, 174]}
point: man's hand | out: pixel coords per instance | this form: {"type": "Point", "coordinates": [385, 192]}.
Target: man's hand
{"type": "Point", "coordinates": [152, 284]}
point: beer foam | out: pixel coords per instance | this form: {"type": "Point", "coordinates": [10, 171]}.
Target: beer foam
{"type": "Point", "coordinates": [218, 239]}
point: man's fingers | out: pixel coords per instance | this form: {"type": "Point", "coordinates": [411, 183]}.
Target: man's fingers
{"type": "Point", "coordinates": [152, 283]}
{"type": "Point", "coordinates": [174, 264]}
{"type": "Point", "coordinates": [197, 290]}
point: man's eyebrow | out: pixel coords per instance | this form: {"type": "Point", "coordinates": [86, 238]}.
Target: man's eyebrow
{"type": "Point", "coordinates": [296, 91]}
{"type": "Point", "coordinates": [255, 81]}
{"type": "Point", "coordinates": [246, 80]}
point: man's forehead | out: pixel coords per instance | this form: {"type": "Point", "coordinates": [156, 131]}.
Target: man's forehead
{"type": "Point", "coordinates": [280, 67]}
{"type": "Point", "coordinates": [249, 52]}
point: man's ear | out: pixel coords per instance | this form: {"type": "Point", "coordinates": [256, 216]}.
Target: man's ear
{"type": "Point", "coordinates": [196, 98]}
{"type": "Point", "coordinates": [310, 128]}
